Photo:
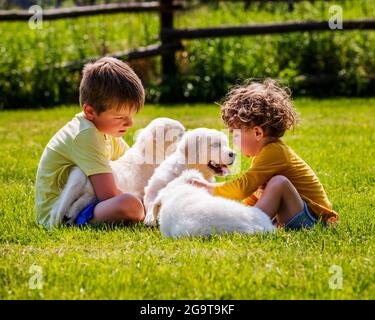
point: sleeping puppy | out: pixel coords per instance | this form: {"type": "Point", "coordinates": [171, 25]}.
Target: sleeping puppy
{"type": "Point", "coordinates": [185, 210]}
{"type": "Point", "coordinates": [205, 150]}
{"type": "Point", "coordinates": [131, 172]}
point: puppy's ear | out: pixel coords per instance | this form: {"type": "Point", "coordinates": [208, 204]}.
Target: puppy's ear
{"type": "Point", "coordinates": [192, 149]}
{"type": "Point", "coordinates": [138, 135]}
{"type": "Point", "coordinates": [183, 147]}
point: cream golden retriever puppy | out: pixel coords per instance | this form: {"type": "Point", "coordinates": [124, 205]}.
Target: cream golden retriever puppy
{"type": "Point", "coordinates": [153, 145]}
{"type": "Point", "coordinates": [185, 210]}
{"type": "Point", "coordinates": [205, 150]}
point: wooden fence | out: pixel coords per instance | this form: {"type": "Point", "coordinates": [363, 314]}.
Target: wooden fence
{"type": "Point", "coordinates": [61, 13]}
{"type": "Point", "coordinates": [170, 37]}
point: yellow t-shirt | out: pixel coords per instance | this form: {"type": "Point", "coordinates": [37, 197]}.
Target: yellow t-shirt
{"type": "Point", "coordinates": [78, 143]}
{"type": "Point", "coordinates": [276, 158]}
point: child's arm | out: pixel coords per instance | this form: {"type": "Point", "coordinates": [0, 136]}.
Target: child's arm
{"type": "Point", "coordinates": [204, 184]}
{"type": "Point", "coordinates": [114, 206]}
{"type": "Point", "coordinates": [104, 186]}
{"type": "Point", "coordinates": [269, 162]}
{"type": "Point", "coordinates": [88, 152]}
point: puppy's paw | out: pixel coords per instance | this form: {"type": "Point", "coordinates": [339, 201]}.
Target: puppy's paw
{"type": "Point", "coordinates": [149, 220]}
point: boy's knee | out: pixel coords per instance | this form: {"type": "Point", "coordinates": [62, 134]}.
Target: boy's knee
{"type": "Point", "coordinates": [131, 208]}
{"type": "Point", "coordinates": [278, 181]}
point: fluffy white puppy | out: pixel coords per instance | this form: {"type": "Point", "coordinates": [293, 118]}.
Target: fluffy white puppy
{"type": "Point", "coordinates": [205, 150]}
{"type": "Point", "coordinates": [131, 172]}
{"type": "Point", "coordinates": [185, 210]}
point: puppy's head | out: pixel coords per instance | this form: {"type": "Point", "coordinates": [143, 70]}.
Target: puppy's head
{"type": "Point", "coordinates": [208, 151]}
{"type": "Point", "coordinates": [159, 139]}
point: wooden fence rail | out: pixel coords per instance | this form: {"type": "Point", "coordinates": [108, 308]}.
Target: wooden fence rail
{"type": "Point", "coordinates": [54, 14]}
{"type": "Point", "coordinates": [270, 28]}
{"type": "Point", "coordinates": [139, 53]}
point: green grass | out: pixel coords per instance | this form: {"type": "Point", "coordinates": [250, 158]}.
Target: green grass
{"type": "Point", "coordinates": [336, 137]}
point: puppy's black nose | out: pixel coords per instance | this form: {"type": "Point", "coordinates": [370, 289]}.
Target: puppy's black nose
{"type": "Point", "coordinates": [231, 154]}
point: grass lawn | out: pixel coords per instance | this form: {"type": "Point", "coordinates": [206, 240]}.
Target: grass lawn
{"type": "Point", "coordinates": [336, 137]}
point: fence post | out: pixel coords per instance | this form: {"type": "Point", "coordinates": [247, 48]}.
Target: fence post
{"type": "Point", "coordinates": [168, 57]}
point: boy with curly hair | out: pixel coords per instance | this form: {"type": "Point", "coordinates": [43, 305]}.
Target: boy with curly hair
{"type": "Point", "coordinates": [278, 182]}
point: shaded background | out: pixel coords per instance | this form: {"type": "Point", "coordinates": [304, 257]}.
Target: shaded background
{"type": "Point", "coordinates": [324, 63]}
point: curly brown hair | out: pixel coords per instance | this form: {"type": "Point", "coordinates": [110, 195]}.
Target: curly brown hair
{"type": "Point", "coordinates": [266, 104]}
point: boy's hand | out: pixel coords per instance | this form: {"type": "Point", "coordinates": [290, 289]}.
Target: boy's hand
{"type": "Point", "coordinates": [203, 184]}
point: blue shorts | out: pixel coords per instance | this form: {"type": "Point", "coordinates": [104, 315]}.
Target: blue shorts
{"type": "Point", "coordinates": [86, 214]}
{"type": "Point", "coordinates": [302, 220]}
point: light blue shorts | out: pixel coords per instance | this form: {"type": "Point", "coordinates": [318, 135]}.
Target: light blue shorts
{"type": "Point", "coordinates": [304, 219]}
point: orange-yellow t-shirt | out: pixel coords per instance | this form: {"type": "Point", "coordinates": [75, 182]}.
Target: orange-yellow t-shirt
{"type": "Point", "coordinates": [277, 158]}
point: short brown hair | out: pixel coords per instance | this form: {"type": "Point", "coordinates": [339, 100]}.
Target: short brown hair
{"type": "Point", "coordinates": [266, 104]}
{"type": "Point", "coordinates": [110, 83]}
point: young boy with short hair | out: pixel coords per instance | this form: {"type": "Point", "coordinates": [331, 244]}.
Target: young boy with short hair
{"type": "Point", "coordinates": [110, 93]}
{"type": "Point", "coordinates": [279, 182]}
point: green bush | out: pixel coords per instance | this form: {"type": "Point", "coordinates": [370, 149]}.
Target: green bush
{"type": "Point", "coordinates": [318, 63]}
